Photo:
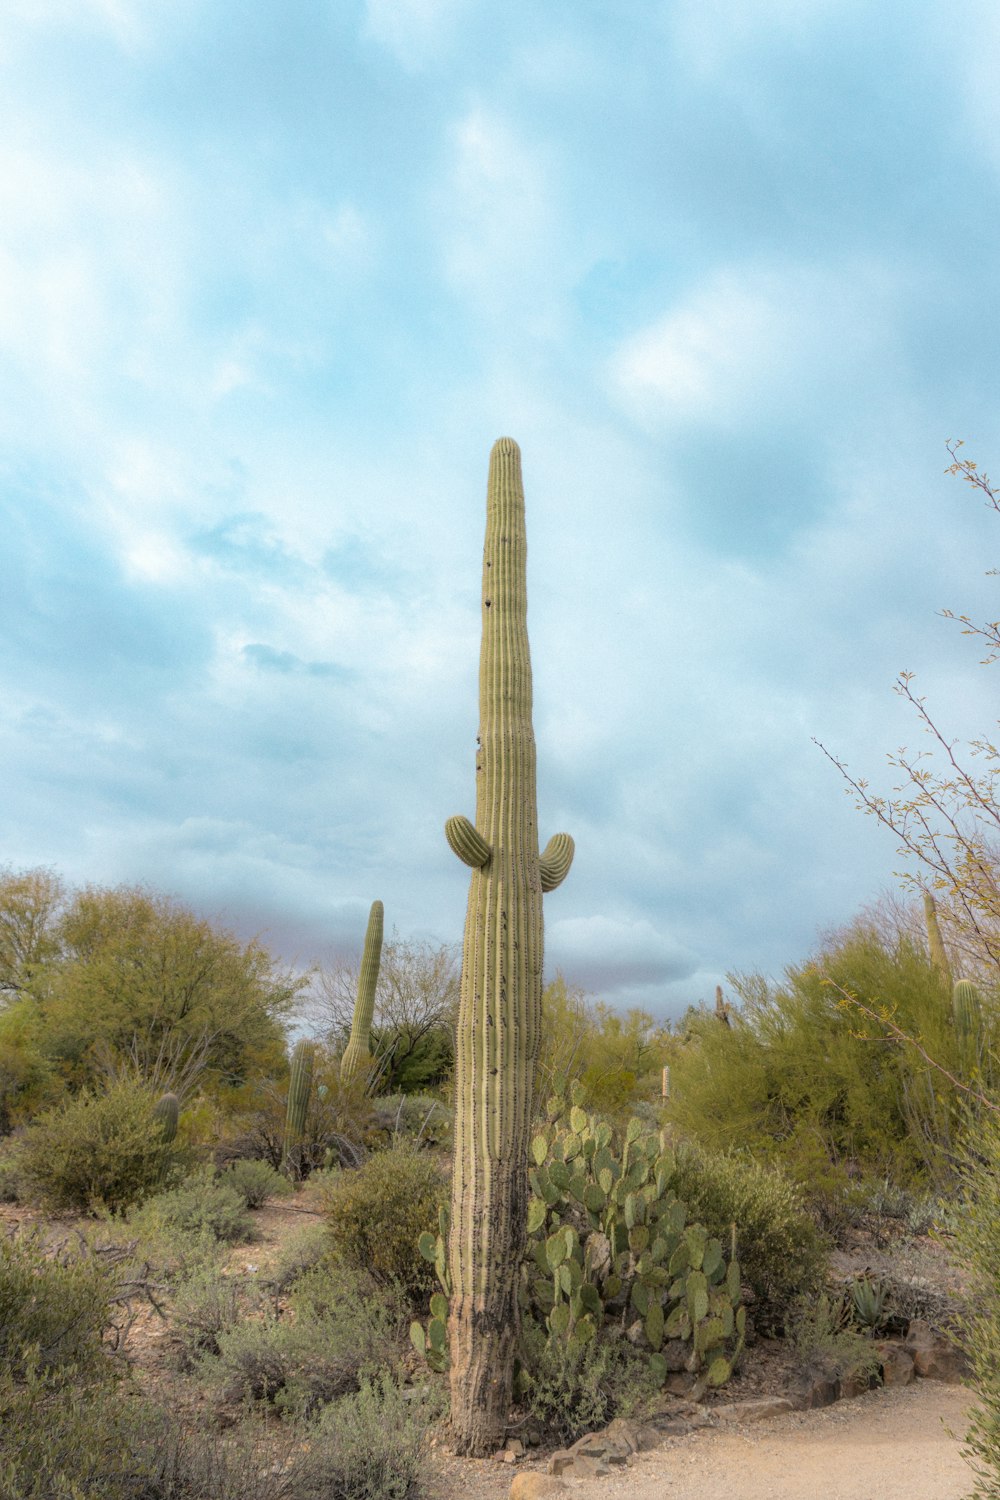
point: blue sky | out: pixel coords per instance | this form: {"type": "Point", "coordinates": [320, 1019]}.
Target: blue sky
{"type": "Point", "coordinates": [272, 280]}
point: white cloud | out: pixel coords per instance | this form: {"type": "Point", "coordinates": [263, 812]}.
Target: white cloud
{"type": "Point", "coordinates": [599, 951]}
{"type": "Point", "coordinates": [413, 30]}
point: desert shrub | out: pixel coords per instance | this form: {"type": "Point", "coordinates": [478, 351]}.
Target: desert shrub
{"type": "Point", "coordinates": [75, 1439]}
{"type": "Point", "coordinates": [200, 1206]}
{"type": "Point", "coordinates": [804, 1079]}
{"type": "Point", "coordinates": [205, 1305]}
{"type": "Point", "coordinates": [826, 1341]}
{"type": "Point", "coordinates": [418, 1119]}
{"type": "Point", "coordinates": [11, 1176]}
{"type": "Point", "coordinates": [340, 1124]}
{"type": "Point", "coordinates": [366, 1447]}
{"type": "Point", "coordinates": [616, 1060]}
{"type": "Point", "coordinates": [570, 1388]}
{"type": "Point", "coordinates": [97, 1149]}
{"type": "Point", "coordinates": [377, 1214]}
{"type": "Point", "coordinates": [977, 1245]}
{"type": "Point", "coordinates": [53, 1312]}
{"type": "Point", "coordinates": [780, 1251]}
{"type": "Point", "coordinates": [256, 1181]}
{"type": "Point", "coordinates": [338, 1334]}
{"type": "Point", "coordinates": [299, 1254]}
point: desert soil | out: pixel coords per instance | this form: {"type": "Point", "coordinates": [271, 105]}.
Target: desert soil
{"type": "Point", "coordinates": [902, 1444]}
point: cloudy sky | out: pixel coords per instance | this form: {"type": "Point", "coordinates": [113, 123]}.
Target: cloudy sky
{"type": "Point", "coordinates": [273, 277]}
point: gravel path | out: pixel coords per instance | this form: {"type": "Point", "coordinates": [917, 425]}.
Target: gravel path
{"type": "Point", "coordinates": [902, 1444]}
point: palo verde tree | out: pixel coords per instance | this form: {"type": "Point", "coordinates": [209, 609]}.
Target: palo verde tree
{"type": "Point", "coordinates": [500, 1001]}
{"type": "Point", "coordinates": [945, 809]}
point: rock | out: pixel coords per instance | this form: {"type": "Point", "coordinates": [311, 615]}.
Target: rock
{"type": "Point", "coordinates": [676, 1353]}
{"type": "Point", "coordinates": [754, 1409]}
{"type": "Point", "coordinates": [676, 1419]}
{"type": "Point", "coordinates": [849, 1386]}
{"type": "Point", "coordinates": [536, 1487]}
{"type": "Point", "coordinates": [935, 1357]}
{"type": "Point", "coordinates": [679, 1384]}
{"type": "Point", "coordinates": [897, 1363]}
{"type": "Point", "coordinates": [818, 1389]}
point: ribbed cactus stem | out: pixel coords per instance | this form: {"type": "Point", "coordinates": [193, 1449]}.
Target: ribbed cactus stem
{"type": "Point", "coordinates": [967, 1013]}
{"type": "Point", "coordinates": [721, 1008]}
{"type": "Point", "coordinates": [166, 1113]}
{"type": "Point", "coordinates": [500, 999]}
{"type": "Point", "coordinates": [935, 942]}
{"type": "Point", "coordinates": [299, 1089]}
{"type": "Point", "coordinates": [356, 1058]}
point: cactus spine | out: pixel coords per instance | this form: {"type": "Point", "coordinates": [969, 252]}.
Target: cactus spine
{"type": "Point", "coordinates": [166, 1112]}
{"type": "Point", "coordinates": [356, 1058]}
{"type": "Point", "coordinates": [299, 1088]}
{"type": "Point", "coordinates": [935, 942]}
{"type": "Point", "coordinates": [500, 999]}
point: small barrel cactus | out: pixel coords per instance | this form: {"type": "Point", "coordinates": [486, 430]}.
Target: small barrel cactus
{"type": "Point", "coordinates": [356, 1058]}
{"type": "Point", "coordinates": [299, 1089]}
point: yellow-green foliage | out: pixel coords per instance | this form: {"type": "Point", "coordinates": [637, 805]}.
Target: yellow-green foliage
{"type": "Point", "coordinates": [781, 1252]}
{"type": "Point", "coordinates": [803, 1078]}
{"type": "Point", "coordinates": [27, 1076]}
{"type": "Point", "coordinates": [52, 1311]}
{"type": "Point", "coordinates": [95, 1150]}
{"type": "Point", "coordinates": [377, 1214]}
{"type": "Point", "coordinates": [617, 1060]}
{"type": "Point", "coordinates": [977, 1242]}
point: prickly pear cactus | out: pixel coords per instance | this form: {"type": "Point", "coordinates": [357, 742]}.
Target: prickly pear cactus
{"type": "Point", "coordinates": [356, 1058]}
{"type": "Point", "coordinates": [500, 1000]}
{"type": "Point", "coordinates": [299, 1089]}
{"type": "Point", "coordinates": [609, 1242]}
{"type": "Point", "coordinates": [166, 1113]}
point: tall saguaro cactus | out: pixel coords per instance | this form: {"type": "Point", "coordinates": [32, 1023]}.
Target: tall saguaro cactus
{"type": "Point", "coordinates": [500, 1000]}
{"type": "Point", "coordinates": [299, 1089]}
{"type": "Point", "coordinates": [356, 1058]}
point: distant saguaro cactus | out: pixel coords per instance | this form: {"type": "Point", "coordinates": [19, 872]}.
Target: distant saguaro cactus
{"type": "Point", "coordinates": [967, 1014]}
{"type": "Point", "coordinates": [299, 1089]}
{"type": "Point", "coordinates": [500, 1000]}
{"type": "Point", "coordinates": [935, 942]}
{"type": "Point", "coordinates": [166, 1113]}
{"type": "Point", "coordinates": [721, 1008]}
{"type": "Point", "coordinates": [356, 1058]}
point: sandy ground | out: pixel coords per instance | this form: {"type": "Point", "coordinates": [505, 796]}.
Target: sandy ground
{"type": "Point", "coordinates": [900, 1444]}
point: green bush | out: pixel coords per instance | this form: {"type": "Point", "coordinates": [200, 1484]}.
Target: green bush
{"type": "Point", "coordinates": [256, 1182]}
{"type": "Point", "coordinates": [200, 1206]}
{"type": "Point", "coordinates": [75, 1440]}
{"type": "Point", "coordinates": [337, 1333]}
{"type": "Point", "coordinates": [976, 1229]}
{"type": "Point", "coordinates": [300, 1253]}
{"type": "Point", "coordinates": [780, 1251]}
{"type": "Point", "coordinates": [416, 1118]}
{"type": "Point", "coordinates": [11, 1174]}
{"type": "Point", "coordinates": [570, 1388]}
{"type": "Point", "coordinates": [366, 1447]}
{"type": "Point", "coordinates": [205, 1305]}
{"type": "Point", "coordinates": [96, 1150]}
{"type": "Point", "coordinates": [377, 1214]}
{"type": "Point", "coordinates": [52, 1312]}
{"type": "Point", "coordinates": [804, 1079]}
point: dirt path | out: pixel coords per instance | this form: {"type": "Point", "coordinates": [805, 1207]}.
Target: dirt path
{"type": "Point", "coordinates": [885, 1445]}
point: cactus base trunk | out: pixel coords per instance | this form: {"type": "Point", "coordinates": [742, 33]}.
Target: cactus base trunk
{"type": "Point", "coordinates": [483, 1329]}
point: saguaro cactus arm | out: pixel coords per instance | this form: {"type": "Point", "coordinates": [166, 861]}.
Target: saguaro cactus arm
{"type": "Point", "coordinates": [464, 841]}
{"type": "Point", "coordinates": [555, 860]}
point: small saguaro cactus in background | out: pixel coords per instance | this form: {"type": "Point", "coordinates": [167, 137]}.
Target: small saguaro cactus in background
{"type": "Point", "coordinates": [166, 1113]}
{"type": "Point", "coordinates": [501, 989]}
{"type": "Point", "coordinates": [299, 1089]}
{"type": "Point", "coordinates": [721, 1008]}
{"type": "Point", "coordinates": [967, 1014]}
{"type": "Point", "coordinates": [935, 942]}
{"type": "Point", "coordinates": [356, 1058]}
